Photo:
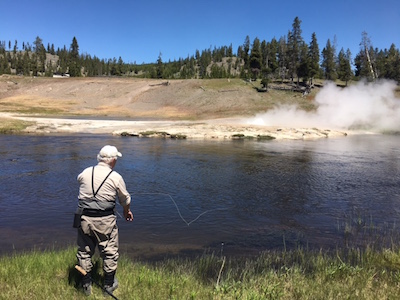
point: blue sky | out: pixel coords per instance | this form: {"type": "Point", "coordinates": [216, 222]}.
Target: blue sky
{"type": "Point", "coordinates": [139, 31]}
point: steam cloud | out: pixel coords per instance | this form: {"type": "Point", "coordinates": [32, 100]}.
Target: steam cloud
{"type": "Point", "coordinates": [371, 106]}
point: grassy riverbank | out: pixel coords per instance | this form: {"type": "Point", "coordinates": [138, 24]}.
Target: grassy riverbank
{"type": "Point", "coordinates": [298, 274]}
{"type": "Point", "coordinates": [8, 126]}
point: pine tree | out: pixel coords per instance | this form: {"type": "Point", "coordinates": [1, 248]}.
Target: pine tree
{"type": "Point", "coordinates": [62, 67]}
{"type": "Point", "coordinates": [255, 58]}
{"type": "Point", "coordinates": [313, 54]}
{"type": "Point", "coordinates": [42, 59]}
{"type": "Point", "coordinates": [38, 44]}
{"type": "Point", "coordinates": [328, 61]}
{"type": "Point", "coordinates": [205, 60]}
{"type": "Point", "coordinates": [120, 67]}
{"type": "Point", "coordinates": [113, 66]}
{"type": "Point", "coordinates": [34, 64]}
{"type": "Point", "coordinates": [26, 64]}
{"type": "Point", "coordinates": [304, 64]}
{"type": "Point", "coordinates": [74, 65]}
{"type": "Point", "coordinates": [282, 58]}
{"type": "Point", "coordinates": [4, 66]}
{"type": "Point", "coordinates": [295, 42]}
{"type": "Point", "coordinates": [264, 55]}
{"type": "Point", "coordinates": [344, 68]}
{"type": "Point", "coordinates": [52, 51]}
{"type": "Point", "coordinates": [229, 52]}
{"type": "Point", "coordinates": [269, 53]}
{"type": "Point", "coordinates": [393, 63]}
{"type": "Point", "coordinates": [245, 52]}
{"type": "Point", "coordinates": [160, 66]}
{"type": "Point", "coordinates": [272, 55]}
{"type": "Point", "coordinates": [19, 67]}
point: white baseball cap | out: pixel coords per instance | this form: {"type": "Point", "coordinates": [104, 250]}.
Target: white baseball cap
{"type": "Point", "coordinates": [109, 151]}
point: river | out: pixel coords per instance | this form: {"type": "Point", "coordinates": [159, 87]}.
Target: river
{"type": "Point", "coordinates": [193, 196]}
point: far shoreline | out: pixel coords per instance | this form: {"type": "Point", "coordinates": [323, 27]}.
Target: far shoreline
{"type": "Point", "coordinates": [214, 129]}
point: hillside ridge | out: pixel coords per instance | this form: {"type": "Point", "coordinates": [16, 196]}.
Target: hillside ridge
{"type": "Point", "coordinates": [135, 98]}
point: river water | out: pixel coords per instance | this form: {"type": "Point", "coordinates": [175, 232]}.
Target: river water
{"type": "Point", "coordinates": [191, 196]}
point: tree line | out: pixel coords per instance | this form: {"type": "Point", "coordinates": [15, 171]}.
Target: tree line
{"type": "Point", "coordinates": [288, 58]}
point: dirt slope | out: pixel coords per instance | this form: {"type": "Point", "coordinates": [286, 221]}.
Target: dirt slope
{"type": "Point", "coordinates": [130, 97]}
{"type": "Point", "coordinates": [211, 109]}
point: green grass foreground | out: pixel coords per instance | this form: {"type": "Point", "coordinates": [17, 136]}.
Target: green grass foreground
{"type": "Point", "coordinates": [297, 274]}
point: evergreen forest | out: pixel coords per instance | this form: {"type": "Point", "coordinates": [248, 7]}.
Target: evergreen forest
{"type": "Point", "coordinates": [290, 57]}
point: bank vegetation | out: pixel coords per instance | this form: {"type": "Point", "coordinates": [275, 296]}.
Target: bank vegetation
{"type": "Point", "coordinates": [295, 274]}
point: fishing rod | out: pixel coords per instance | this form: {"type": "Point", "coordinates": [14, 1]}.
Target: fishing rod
{"type": "Point", "coordinates": [84, 273]}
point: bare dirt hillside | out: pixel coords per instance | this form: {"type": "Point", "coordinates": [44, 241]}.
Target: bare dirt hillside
{"type": "Point", "coordinates": [133, 98]}
{"type": "Point", "coordinates": [208, 109]}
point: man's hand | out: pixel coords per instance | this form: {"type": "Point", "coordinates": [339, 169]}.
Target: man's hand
{"type": "Point", "coordinates": [128, 215]}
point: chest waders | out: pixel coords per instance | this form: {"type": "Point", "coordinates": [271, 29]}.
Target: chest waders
{"type": "Point", "coordinates": [91, 212]}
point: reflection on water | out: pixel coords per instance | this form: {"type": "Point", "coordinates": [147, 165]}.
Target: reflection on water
{"type": "Point", "coordinates": [192, 196]}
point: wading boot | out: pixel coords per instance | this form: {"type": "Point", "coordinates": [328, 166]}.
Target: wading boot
{"type": "Point", "coordinates": [87, 284]}
{"type": "Point", "coordinates": [110, 283]}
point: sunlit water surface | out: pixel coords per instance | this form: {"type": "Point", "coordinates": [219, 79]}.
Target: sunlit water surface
{"type": "Point", "coordinates": [235, 197]}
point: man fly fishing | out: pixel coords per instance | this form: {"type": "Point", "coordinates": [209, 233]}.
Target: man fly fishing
{"type": "Point", "coordinates": [99, 188]}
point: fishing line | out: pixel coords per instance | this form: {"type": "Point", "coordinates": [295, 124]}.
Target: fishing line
{"type": "Point", "coordinates": [177, 207]}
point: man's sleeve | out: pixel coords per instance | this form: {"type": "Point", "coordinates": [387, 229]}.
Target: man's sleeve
{"type": "Point", "coordinates": [123, 195]}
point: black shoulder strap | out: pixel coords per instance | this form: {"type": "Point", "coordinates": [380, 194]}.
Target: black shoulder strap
{"type": "Point", "coordinates": [95, 193]}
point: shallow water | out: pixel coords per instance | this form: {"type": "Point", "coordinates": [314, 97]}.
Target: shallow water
{"type": "Point", "coordinates": [189, 196]}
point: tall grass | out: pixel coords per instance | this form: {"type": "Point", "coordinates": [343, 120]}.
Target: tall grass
{"type": "Point", "coordinates": [8, 126]}
{"type": "Point", "coordinates": [296, 274]}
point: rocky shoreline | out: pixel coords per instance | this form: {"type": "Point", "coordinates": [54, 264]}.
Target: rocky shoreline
{"type": "Point", "coordinates": [228, 131]}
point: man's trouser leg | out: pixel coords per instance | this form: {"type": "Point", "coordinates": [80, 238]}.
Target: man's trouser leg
{"type": "Point", "coordinates": [86, 249]}
{"type": "Point", "coordinates": [102, 231]}
{"type": "Point", "coordinates": [109, 253]}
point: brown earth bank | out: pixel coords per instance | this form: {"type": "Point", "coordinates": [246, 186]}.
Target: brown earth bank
{"type": "Point", "coordinates": [215, 108]}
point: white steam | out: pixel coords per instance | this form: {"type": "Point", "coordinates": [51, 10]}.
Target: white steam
{"type": "Point", "coordinates": [363, 105]}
